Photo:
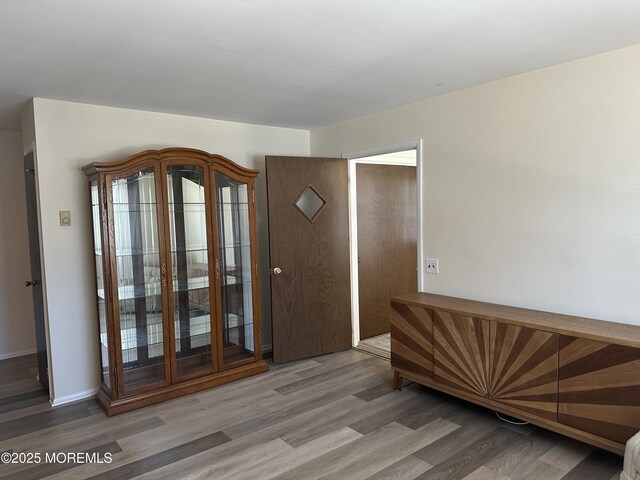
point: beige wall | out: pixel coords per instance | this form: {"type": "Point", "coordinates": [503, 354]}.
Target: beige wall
{"type": "Point", "coordinates": [70, 135]}
{"type": "Point", "coordinates": [17, 331]}
{"type": "Point", "coordinates": [532, 185]}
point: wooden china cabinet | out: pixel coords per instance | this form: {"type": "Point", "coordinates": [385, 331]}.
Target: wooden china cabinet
{"type": "Point", "coordinates": [176, 275]}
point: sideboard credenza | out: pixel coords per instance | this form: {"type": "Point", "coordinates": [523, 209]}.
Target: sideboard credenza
{"type": "Point", "coordinates": [576, 376]}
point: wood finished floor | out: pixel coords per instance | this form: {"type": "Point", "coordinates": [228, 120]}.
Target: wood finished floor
{"type": "Point", "coordinates": [330, 417]}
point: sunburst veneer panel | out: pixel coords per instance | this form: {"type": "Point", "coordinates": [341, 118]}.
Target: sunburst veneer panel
{"type": "Point", "coordinates": [461, 352]}
{"type": "Point", "coordinates": [599, 387]}
{"type": "Point", "coordinates": [412, 339]}
{"type": "Point", "coordinates": [524, 369]}
{"type": "Point", "coordinates": [503, 358]}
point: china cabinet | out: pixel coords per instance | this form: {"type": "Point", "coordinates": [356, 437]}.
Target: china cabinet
{"type": "Point", "coordinates": [174, 234]}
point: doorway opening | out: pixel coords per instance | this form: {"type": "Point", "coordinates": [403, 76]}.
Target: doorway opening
{"type": "Point", "coordinates": [35, 282]}
{"type": "Point", "coordinates": [385, 237]}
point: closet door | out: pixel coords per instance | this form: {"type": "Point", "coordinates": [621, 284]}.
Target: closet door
{"type": "Point", "coordinates": [191, 302]}
{"type": "Point", "coordinates": [138, 281]}
{"type": "Point", "coordinates": [236, 267]}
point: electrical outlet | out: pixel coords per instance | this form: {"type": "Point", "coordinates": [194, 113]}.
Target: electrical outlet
{"type": "Point", "coordinates": [432, 265]}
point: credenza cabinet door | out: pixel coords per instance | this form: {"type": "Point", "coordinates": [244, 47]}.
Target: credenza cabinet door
{"type": "Point", "coordinates": [524, 369]}
{"type": "Point", "coordinates": [412, 339]}
{"type": "Point", "coordinates": [461, 353]}
{"type": "Point", "coordinates": [599, 387]}
{"type": "Point", "coordinates": [513, 365]}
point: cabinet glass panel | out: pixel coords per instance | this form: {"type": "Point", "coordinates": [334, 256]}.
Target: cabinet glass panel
{"type": "Point", "coordinates": [190, 267]}
{"type": "Point", "coordinates": [235, 268]}
{"type": "Point", "coordinates": [102, 314]}
{"type": "Point", "coordinates": [139, 274]}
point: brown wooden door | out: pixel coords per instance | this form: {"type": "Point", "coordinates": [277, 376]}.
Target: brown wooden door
{"type": "Point", "coordinates": [309, 245]}
{"type": "Point", "coordinates": [387, 241]}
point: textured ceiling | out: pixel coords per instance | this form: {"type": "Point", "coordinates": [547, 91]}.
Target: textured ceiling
{"type": "Point", "coordinates": [296, 63]}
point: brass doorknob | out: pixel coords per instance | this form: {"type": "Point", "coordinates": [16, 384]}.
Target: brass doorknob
{"type": "Point", "coordinates": [277, 271]}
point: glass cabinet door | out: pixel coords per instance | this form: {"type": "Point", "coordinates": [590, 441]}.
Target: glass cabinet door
{"type": "Point", "coordinates": [189, 268]}
{"type": "Point", "coordinates": [100, 283]}
{"type": "Point", "coordinates": [139, 273]}
{"type": "Point", "coordinates": [234, 256]}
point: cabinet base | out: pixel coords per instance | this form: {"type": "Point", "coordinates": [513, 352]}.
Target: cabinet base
{"type": "Point", "coordinates": [595, 440]}
{"type": "Point", "coordinates": [125, 404]}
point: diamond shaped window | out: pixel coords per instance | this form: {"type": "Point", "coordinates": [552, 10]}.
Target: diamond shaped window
{"type": "Point", "coordinates": [310, 202]}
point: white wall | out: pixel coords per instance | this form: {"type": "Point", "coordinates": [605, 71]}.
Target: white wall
{"type": "Point", "coordinates": [70, 135]}
{"type": "Point", "coordinates": [28, 128]}
{"type": "Point", "coordinates": [17, 328]}
{"type": "Point", "coordinates": [532, 185]}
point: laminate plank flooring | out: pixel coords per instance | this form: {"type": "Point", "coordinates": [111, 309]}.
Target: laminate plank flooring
{"type": "Point", "coordinates": [566, 454]}
{"type": "Point", "coordinates": [328, 418]}
{"type": "Point", "coordinates": [41, 470]}
{"type": "Point", "coordinates": [518, 458]}
{"type": "Point", "coordinates": [22, 400]}
{"type": "Point", "coordinates": [595, 465]}
{"type": "Point", "coordinates": [406, 468]}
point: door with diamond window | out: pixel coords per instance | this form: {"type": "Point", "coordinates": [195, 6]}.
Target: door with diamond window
{"type": "Point", "coordinates": [309, 256]}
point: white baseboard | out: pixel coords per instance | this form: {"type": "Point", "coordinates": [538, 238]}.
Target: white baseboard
{"type": "Point", "coordinates": [57, 401]}
{"type": "Point", "coordinates": [4, 356]}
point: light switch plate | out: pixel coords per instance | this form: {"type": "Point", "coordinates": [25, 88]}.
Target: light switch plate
{"type": "Point", "coordinates": [65, 218]}
{"type": "Point", "coordinates": [432, 265]}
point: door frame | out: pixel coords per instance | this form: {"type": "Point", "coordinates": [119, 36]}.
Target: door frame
{"type": "Point", "coordinates": [353, 159]}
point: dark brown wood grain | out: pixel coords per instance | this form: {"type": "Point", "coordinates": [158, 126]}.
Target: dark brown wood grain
{"type": "Point", "coordinates": [599, 387]}
{"type": "Point", "coordinates": [387, 241]}
{"type": "Point", "coordinates": [310, 299]}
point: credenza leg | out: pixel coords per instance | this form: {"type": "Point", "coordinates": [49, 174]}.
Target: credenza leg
{"type": "Point", "coordinates": [397, 381]}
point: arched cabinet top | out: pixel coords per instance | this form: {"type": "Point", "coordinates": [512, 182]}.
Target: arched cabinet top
{"type": "Point", "coordinates": [166, 154]}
